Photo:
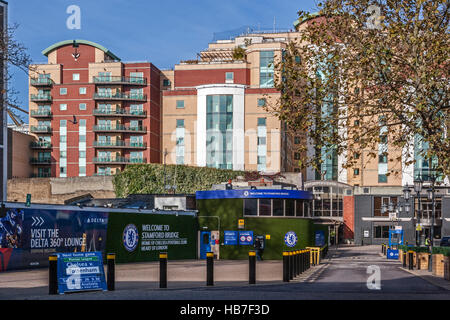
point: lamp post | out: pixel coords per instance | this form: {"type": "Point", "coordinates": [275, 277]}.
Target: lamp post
{"type": "Point", "coordinates": [418, 189]}
{"type": "Point", "coordinates": [431, 197]}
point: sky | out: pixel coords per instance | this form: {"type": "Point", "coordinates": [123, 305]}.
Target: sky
{"type": "Point", "coordinates": [162, 32]}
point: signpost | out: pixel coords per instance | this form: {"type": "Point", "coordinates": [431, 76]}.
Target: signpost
{"type": "Point", "coordinates": [80, 271]}
{"type": "Point", "coordinates": [230, 238]}
{"type": "Point", "coordinates": [241, 224]}
{"type": "Point", "coordinates": [246, 238]}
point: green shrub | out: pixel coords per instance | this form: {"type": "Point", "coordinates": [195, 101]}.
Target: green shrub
{"type": "Point", "coordinates": [442, 250]}
{"type": "Point", "coordinates": [149, 178]}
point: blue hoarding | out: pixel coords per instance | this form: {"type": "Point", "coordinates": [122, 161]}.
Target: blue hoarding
{"type": "Point", "coordinates": [246, 238]}
{"type": "Point", "coordinates": [230, 238]}
{"type": "Point", "coordinates": [80, 271]}
{"type": "Point", "coordinates": [319, 238]}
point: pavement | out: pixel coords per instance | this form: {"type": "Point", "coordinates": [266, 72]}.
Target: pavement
{"type": "Point", "coordinates": [345, 274]}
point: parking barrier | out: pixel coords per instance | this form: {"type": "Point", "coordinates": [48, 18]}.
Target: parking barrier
{"type": "Point", "coordinates": [404, 259]}
{"type": "Point", "coordinates": [163, 270]}
{"type": "Point", "coordinates": [410, 260]}
{"type": "Point", "coordinates": [111, 266]}
{"type": "Point", "coordinates": [252, 267]}
{"type": "Point", "coordinates": [209, 268]}
{"type": "Point", "coordinates": [285, 266]}
{"type": "Point", "coordinates": [52, 274]}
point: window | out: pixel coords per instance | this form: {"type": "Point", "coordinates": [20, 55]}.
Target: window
{"type": "Point", "coordinates": [261, 141]}
{"type": "Point", "coordinates": [381, 232]}
{"type": "Point", "coordinates": [266, 69]}
{"type": "Point", "coordinates": [356, 156]}
{"type": "Point", "coordinates": [82, 90]}
{"type": "Point", "coordinates": [63, 154]}
{"type": "Point", "coordinates": [75, 76]}
{"type": "Point", "coordinates": [297, 140]}
{"type": "Point", "coordinates": [166, 82]}
{"type": "Point", "coordinates": [356, 172]}
{"type": "Point", "coordinates": [261, 102]}
{"type": "Point", "coordinates": [83, 138]}
{"type": "Point", "coordinates": [261, 122]}
{"type": "Point", "coordinates": [290, 207]}
{"type": "Point", "coordinates": [265, 207]}
{"type": "Point", "coordinates": [63, 107]}
{"type": "Point", "coordinates": [382, 158]}
{"type": "Point", "coordinates": [299, 208]}
{"type": "Point", "coordinates": [82, 154]}
{"type": "Point", "coordinates": [180, 104]}
{"type": "Point", "coordinates": [229, 77]}
{"type": "Point", "coordinates": [180, 123]}
{"type": "Point", "coordinates": [82, 106]}
{"type": "Point", "coordinates": [382, 178]}
{"type": "Point", "coordinates": [82, 122]}
{"type": "Point", "coordinates": [63, 139]}
{"type": "Point", "coordinates": [278, 207]}
{"type": "Point", "coordinates": [250, 207]}
{"type": "Point", "coordinates": [296, 156]}
{"type": "Point", "coordinates": [63, 123]}
{"type": "Point", "coordinates": [82, 171]}
{"type": "Point", "coordinates": [62, 91]}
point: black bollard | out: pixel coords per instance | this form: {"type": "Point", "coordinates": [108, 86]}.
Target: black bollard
{"type": "Point", "coordinates": [410, 260]}
{"type": "Point", "coordinates": [297, 263]}
{"type": "Point", "coordinates": [52, 274]}
{"type": "Point", "coordinates": [302, 261]}
{"type": "Point", "coordinates": [163, 270]}
{"type": "Point", "coordinates": [111, 265]}
{"type": "Point", "coordinates": [252, 267]}
{"type": "Point", "coordinates": [404, 259]}
{"type": "Point", "coordinates": [291, 265]}
{"type": "Point", "coordinates": [294, 260]}
{"type": "Point", "coordinates": [209, 269]}
{"type": "Point", "coordinates": [285, 266]}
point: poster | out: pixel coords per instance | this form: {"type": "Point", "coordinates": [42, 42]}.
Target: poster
{"type": "Point", "coordinates": [230, 238]}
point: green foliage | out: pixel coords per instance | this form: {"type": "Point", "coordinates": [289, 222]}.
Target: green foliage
{"type": "Point", "coordinates": [239, 53]}
{"type": "Point", "coordinates": [149, 178]}
{"type": "Point", "coordinates": [442, 250]}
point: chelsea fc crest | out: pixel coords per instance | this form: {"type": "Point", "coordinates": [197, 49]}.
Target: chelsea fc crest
{"type": "Point", "coordinates": [290, 239]}
{"type": "Point", "coordinates": [130, 237]}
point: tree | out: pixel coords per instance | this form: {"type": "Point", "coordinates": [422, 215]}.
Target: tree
{"type": "Point", "coordinates": [364, 75]}
{"type": "Point", "coordinates": [13, 54]}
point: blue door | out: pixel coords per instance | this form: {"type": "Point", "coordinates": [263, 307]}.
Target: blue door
{"type": "Point", "coordinates": [205, 243]}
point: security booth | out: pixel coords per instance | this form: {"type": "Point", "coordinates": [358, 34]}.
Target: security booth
{"type": "Point", "coordinates": [395, 240]}
{"type": "Point", "coordinates": [243, 216]}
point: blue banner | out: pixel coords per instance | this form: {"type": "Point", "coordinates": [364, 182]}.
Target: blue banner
{"type": "Point", "coordinates": [246, 238]}
{"type": "Point", "coordinates": [254, 194]}
{"type": "Point", "coordinates": [80, 271]}
{"type": "Point", "coordinates": [230, 238]}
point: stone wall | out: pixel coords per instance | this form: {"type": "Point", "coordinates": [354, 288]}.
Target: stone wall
{"type": "Point", "coordinates": [57, 190]}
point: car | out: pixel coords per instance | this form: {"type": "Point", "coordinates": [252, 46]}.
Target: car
{"type": "Point", "coordinates": [445, 242]}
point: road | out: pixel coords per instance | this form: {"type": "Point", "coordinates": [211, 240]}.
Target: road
{"type": "Point", "coordinates": [343, 276]}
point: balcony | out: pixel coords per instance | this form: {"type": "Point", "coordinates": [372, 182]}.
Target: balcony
{"type": "Point", "coordinates": [45, 97]}
{"type": "Point", "coordinates": [119, 144]}
{"type": "Point", "coordinates": [119, 128]}
{"type": "Point", "coordinates": [41, 129]}
{"type": "Point", "coordinates": [41, 175]}
{"type": "Point", "coordinates": [120, 96]}
{"type": "Point", "coordinates": [118, 160]}
{"type": "Point", "coordinates": [40, 145]}
{"type": "Point", "coordinates": [119, 113]}
{"type": "Point", "coordinates": [41, 113]}
{"type": "Point", "coordinates": [41, 161]}
{"type": "Point", "coordinates": [109, 80]}
{"type": "Point", "coordinates": [41, 82]}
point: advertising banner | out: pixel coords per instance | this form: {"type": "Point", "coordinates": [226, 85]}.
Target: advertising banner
{"type": "Point", "coordinates": [80, 271]}
{"type": "Point", "coordinates": [29, 235]}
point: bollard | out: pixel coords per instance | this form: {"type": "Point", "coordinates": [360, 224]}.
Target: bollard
{"type": "Point", "coordinates": [252, 267]}
{"type": "Point", "coordinates": [410, 260]}
{"type": "Point", "coordinates": [209, 269]}
{"type": "Point", "coordinates": [302, 267]}
{"type": "Point", "coordinates": [52, 274]}
{"type": "Point", "coordinates": [292, 265]}
{"type": "Point", "coordinates": [417, 261]}
{"type": "Point", "coordinates": [111, 265]}
{"type": "Point", "coordinates": [163, 270]}
{"type": "Point", "coordinates": [404, 259]}
{"type": "Point", "coordinates": [294, 259]}
{"type": "Point", "coordinates": [285, 266]}
{"type": "Point", "coordinates": [297, 256]}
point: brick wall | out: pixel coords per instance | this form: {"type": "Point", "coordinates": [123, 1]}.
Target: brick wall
{"type": "Point", "coordinates": [349, 217]}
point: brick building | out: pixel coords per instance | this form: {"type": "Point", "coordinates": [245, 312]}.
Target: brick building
{"type": "Point", "coordinates": [91, 113]}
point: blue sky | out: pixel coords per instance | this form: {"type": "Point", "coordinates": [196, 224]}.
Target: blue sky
{"type": "Point", "coordinates": [162, 32]}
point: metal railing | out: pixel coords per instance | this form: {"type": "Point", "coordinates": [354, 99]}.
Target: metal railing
{"type": "Point", "coordinates": [119, 144]}
{"type": "Point", "coordinates": [119, 160]}
{"type": "Point", "coordinates": [41, 113]}
{"type": "Point", "coordinates": [42, 129]}
{"type": "Point", "coordinates": [119, 112]}
{"type": "Point", "coordinates": [119, 127]}
{"type": "Point", "coordinates": [120, 96]}
{"type": "Point", "coordinates": [41, 97]}
{"type": "Point", "coordinates": [40, 145]}
{"type": "Point", "coordinates": [41, 82]}
{"type": "Point", "coordinates": [120, 80]}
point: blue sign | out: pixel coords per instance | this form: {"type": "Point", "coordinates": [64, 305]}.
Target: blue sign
{"type": "Point", "coordinates": [319, 239]}
{"type": "Point", "coordinates": [230, 238]}
{"type": "Point", "coordinates": [80, 271]}
{"type": "Point", "coordinates": [290, 239]}
{"type": "Point", "coordinates": [392, 254]}
{"type": "Point", "coordinates": [246, 238]}
{"type": "Point", "coordinates": [253, 194]}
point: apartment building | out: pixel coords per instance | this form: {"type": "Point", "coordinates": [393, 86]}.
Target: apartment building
{"type": "Point", "coordinates": [214, 112]}
{"type": "Point", "coordinates": [91, 113]}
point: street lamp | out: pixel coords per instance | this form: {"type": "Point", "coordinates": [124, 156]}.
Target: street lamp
{"type": "Point", "coordinates": [431, 197]}
{"type": "Point", "coordinates": [418, 189]}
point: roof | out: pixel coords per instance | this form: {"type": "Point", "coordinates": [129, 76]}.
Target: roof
{"type": "Point", "coordinates": [89, 43]}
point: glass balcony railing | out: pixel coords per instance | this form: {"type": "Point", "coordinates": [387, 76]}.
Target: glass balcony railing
{"type": "Point", "coordinates": [41, 113]}
{"type": "Point", "coordinates": [40, 160]}
{"type": "Point", "coordinates": [119, 160]}
{"type": "Point", "coordinates": [119, 112]}
{"type": "Point", "coordinates": [119, 96]}
{"type": "Point", "coordinates": [41, 81]}
{"type": "Point", "coordinates": [120, 80]}
{"type": "Point", "coordinates": [119, 127]}
{"type": "Point", "coordinates": [119, 144]}
{"type": "Point", "coordinates": [41, 175]}
{"type": "Point", "coordinates": [41, 97]}
{"type": "Point", "coordinates": [41, 129]}
{"type": "Point", "coordinates": [41, 145]}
